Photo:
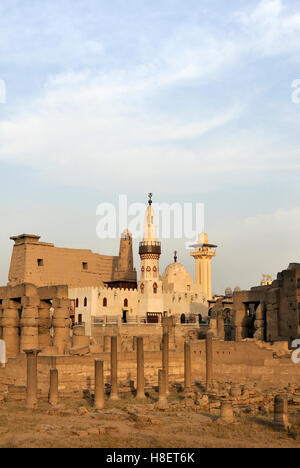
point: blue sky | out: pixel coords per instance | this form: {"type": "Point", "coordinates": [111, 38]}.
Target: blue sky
{"type": "Point", "coordinates": [190, 100]}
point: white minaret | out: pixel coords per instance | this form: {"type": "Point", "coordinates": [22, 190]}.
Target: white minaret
{"type": "Point", "coordinates": [150, 285]}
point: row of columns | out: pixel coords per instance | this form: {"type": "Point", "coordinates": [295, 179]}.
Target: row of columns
{"type": "Point", "coordinates": [280, 401]}
{"type": "Point", "coordinates": [99, 373]}
{"type": "Point", "coordinates": [25, 324]}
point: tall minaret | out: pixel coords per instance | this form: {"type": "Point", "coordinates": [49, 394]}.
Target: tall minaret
{"type": "Point", "coordinates": [150, 285]}
{"type": "Point", "coordinates": [203, 254]}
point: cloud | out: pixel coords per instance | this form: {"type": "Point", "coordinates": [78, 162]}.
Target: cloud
{"type": "Point", "coordinates": [271, 29]}
{"type": "Point", "coordinates": [93, 125]}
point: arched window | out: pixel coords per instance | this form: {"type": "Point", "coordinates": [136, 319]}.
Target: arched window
{"type": "Point", "coordinates": [142, 288]}
{"type": "Point", "coordinates": [126, 303]}
{"type": "Point", "coordinates": [105, 302]}
{"type": "Point", "coordinates": [155, 287]}
{"type": "Point", "coordinates": [85, 302]}
{"type": "Point", "coordinates": [154, 272]}
{"type": "Point", "coordinates": [148, 272]}
{"type": "Point", "coordinates": [77, 302]}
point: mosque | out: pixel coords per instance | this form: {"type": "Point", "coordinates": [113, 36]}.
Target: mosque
{"type": "Point", "coordinates": [154, 296]}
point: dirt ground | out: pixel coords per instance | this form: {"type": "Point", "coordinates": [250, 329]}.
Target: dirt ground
{"type": "Point", "coordinates": [126, 423]}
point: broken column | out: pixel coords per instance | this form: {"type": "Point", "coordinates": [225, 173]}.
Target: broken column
{"type": "Point", "coordinates": [31, 390]}
{"type": "Point", "coordinates": [106, 344]}
{"type": "Point", "coordinates": [165, 358]}
{"type": "Point", "coordinates": [10, 326]}
{"type": "Point", "coordinates": [79, 337]}
{"type": "Point", "coordinates": [114, 368]}
{"type": "Point", "coordinates": [226, 414]}
{"type": "Point", "coordinates": [140, 368]}
{"type": "Point", "coordinates": [187, 366]}
{"type": "Point", "coordinates": [281, 411]}
{"type": "Point", "coordinates": [53, 392]}
{"type": "Point", "coordinates": [162, 387]}
{"type": "Point", "coordinates": [99, 384]}
{"type": "Point", "coordinates": [61, 323]}
{"type": "Point", "coordinates": [209, 360]}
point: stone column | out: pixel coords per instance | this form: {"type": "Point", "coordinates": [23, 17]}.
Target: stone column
{"type": "Point", "coordinates": [44, 324]}
{"type": "Point", "coordinates": [114, 368]}
{"type": "Point", "coordinates": [106, 343]}
{"type": "Point", "coordinates": [61, 323]}
{"type": "Point", "coordinates": [226, 415]}
{"type": "Point", "coordinates": [29, 324]}
{"type": "Point", "coordinates": [1, 316]}
{"type": "Point", "coordinates": [162, 387]}
{"type": "Point", "coordinates": [140, 368]}
{"type": "Point", "coordinates": [10, 326]}
{"type": "Point", "coordinates": [53, 393]}
{"type": "Point", "coordinates": [134, 343]}
{"type": "Point", "coordinates": [281, 411]}
{"type": "Point", "coordinates": [99, 384]}
{"type": "Point", "coordinates": [31, 398]}
{"type": "Point", "coordinates": [209, 360]}
{"type": "Point", "coordinates": [187, 366]}
{"type": "Point", "coordinates": [165, 358]}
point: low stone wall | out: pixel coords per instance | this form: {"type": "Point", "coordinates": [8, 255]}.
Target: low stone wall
{"type": "Point", "coordinates": [237, 362]}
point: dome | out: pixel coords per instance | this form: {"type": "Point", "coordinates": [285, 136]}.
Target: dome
{"type": "Point", "coordinates": [228, 292]}
{"type": "Point", "coordinates": [174, 268]}
{"type": "Point", "coordinates": [237, 289]}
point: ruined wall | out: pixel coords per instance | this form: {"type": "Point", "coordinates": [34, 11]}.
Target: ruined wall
{"type": "Point", "coordinates": [44, 264]}
{"type": "Point", "coordinates": [267, 313]}
{"type": "Point", "coordinates": [237, 362]}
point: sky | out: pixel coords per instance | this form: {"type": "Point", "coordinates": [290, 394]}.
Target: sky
{"type": "Point", "coordinates": [193, 101]}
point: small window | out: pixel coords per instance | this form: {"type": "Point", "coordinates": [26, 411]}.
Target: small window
{"type": "Point", "coordinates": [105, 302]}
{"type": "Point", "coordinates": [40, 262]}
{"type": "Point", "coordinates": [79, 318]}
{"type": "Point", "coordinates": [85, 266]}
{"type": "Point", "coordinates": [85, 302]}
{"type": "Point", "coordinates": [155, 287]}
{"type": "Point", "coordinates": [77, 303]}
{"type": "Point", "coordinates": [126, 303]}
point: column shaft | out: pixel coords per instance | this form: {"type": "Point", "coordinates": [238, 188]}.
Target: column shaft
{"type": "Point", "coordinates": [31, 398]}
{"type": "Point", "coordinates": [140, 368]}
{"type": "Point", "coordinates": [209, 361]}
{"type": "Point", "coordinates": [114, 368]}
{"type": "Point", "coordinates": [165, 358]}
{"type": "Point", "coordinates": [187, 366]}
{"type": "Point", "coordinates": [99, 384]}
{"type": "Point", "coordinates": [53, 393]}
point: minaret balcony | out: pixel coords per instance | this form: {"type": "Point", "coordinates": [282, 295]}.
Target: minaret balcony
{"type": "Point", "coordinates": [150, 247]}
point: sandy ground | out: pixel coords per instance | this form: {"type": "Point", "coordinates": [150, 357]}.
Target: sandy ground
{"type": "Point", "coordinates": [126, 423]}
